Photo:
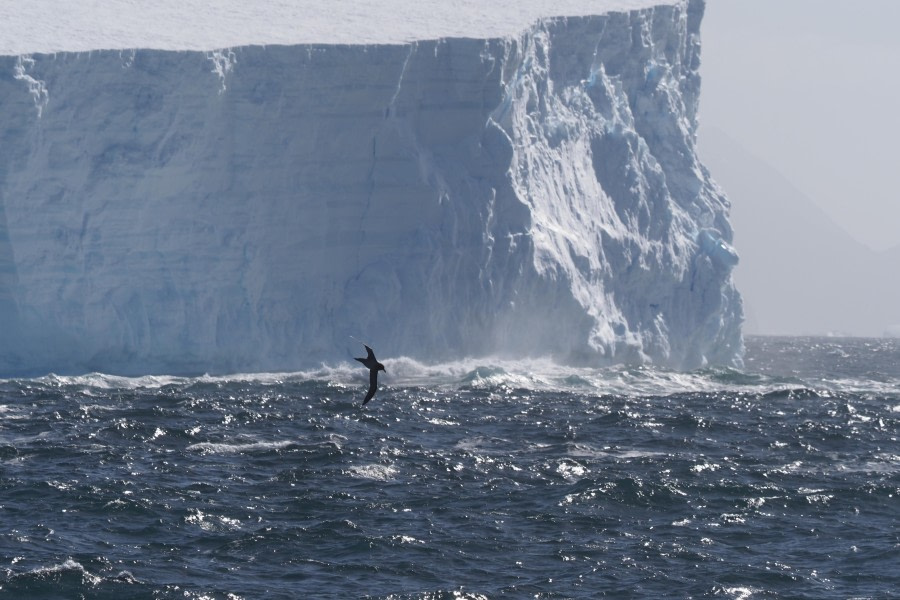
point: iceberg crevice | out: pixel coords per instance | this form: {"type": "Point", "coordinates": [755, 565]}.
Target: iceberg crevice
{"type": "Point", "coordinates": [36, 87]}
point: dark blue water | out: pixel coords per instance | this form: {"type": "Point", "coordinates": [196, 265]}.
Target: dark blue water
{"type": "Point", "coordinates": [479, 480]}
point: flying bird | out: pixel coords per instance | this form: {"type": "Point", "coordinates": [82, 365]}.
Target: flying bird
{"type": "Point", "coordinates": [371, 363]}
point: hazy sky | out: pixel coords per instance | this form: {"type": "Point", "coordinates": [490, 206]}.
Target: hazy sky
{"type": "Point", "coordinates": [813, 87]}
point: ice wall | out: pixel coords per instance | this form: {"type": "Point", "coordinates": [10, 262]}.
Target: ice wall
{"type": "Point", "coordinates": [251, 208]}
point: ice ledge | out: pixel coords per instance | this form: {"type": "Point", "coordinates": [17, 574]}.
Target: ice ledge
{"type": "Point", "coordinates": [48, 26]}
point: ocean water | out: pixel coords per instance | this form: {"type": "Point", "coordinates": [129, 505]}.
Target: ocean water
{"type": "Point", "coordinates": [470, 480]}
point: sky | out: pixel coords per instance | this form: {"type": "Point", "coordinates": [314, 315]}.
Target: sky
{"type": "Point", "coordinates": [799, 124]}
{"type": "Point", "coordinates": [813, 88]}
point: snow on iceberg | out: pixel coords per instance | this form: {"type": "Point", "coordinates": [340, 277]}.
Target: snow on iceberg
{"type": "Point", "coordinates": [252, 208]}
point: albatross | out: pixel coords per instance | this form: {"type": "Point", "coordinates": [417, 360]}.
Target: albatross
{"type": "Point", "coordinates": [371, 363]}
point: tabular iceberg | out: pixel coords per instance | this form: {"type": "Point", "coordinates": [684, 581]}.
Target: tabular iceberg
{"type": "Point", "coordinates": [252, 208]}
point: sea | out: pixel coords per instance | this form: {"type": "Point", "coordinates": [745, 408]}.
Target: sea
{"type": "Point", "coordinates": [472, 480]}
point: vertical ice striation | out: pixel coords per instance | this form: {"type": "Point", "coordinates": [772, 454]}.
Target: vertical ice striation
{"type": "Point", "coordinates": [251, 208]}
{"type": "Point", "coordinates": [602, 114]}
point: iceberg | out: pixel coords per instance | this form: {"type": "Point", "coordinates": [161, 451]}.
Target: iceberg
{"type": "Point", "coordinates": [256, 207]}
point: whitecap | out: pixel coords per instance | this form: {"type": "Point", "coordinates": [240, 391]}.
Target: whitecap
{"type": "Point", "coordinates": [69, 565]}
{"type": "Point", "coordinates": [756, 502]}
{"type": "Point", "coordinates": [406, 539]}
{"type": "Point", "coordinates": [705, 467]}
{"type": "Point", "coordinates": [639, 454]}
{"type": "Point", "coordinates": [571, 470]}
{"type": "Point", "coordinates": [210, 522]}
{"type": "Point", "coordinates": [733, 518]}
{"type": "Point", "coordinates": [105, 381]}
{"type": "Point", "coordinates": [225, 448]}
{"type": "Point", "coordinates": [739, 593]}
{"type": "Point", "coordinates": [376, 472]}
{"type": "Point", "coordinates": [537, 374]}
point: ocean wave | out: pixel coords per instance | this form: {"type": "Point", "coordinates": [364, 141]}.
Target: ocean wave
{"type": "Point", "coordinates": [67, 579]}
{"type": "Point", "coordinates": [374, 471]}
{"type": "Point", "coordinates": [461, 479]}
{"type": "Point", "coordinates": [534, 374]}
{"type": "Point", "coordinates": [240, 448]}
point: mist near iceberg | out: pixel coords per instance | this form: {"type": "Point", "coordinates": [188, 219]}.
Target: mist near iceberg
{"type": "Point", "coordinates": [252, 208]}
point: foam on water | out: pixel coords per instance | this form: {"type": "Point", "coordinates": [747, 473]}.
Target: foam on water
{"type": "Point", "coordinates": [487, 373]}
{"type": "Point", "coordinates": [228, 448]}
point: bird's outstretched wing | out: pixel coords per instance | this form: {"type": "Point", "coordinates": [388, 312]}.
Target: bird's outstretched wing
{"type": "Point", "coordinates": [373, 383]}
{"type": "Point", "coordinates": [371, 355]}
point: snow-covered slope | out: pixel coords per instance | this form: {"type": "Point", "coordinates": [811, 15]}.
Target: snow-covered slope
{"type": "Point", "coordinates": [252, 208]}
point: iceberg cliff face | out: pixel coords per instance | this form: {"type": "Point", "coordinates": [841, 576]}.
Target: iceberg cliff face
{"type": "Point", "coordinates": [253, 208]}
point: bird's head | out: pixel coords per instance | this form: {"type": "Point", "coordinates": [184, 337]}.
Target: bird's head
{"type": "Point", "coordinates": [381, 367]}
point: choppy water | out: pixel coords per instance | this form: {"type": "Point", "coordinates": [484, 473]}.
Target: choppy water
{"type": "Point", "coordinates": [480, 480]}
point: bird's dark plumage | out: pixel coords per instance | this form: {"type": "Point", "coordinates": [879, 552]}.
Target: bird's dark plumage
{"type": "Point", "coordinates": [374, 366]}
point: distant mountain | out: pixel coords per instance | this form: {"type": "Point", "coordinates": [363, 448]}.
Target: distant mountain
{"type": "Point", "coordinates": [800, 272]}
{"type": "Point", "coordinates": [893, 254]}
